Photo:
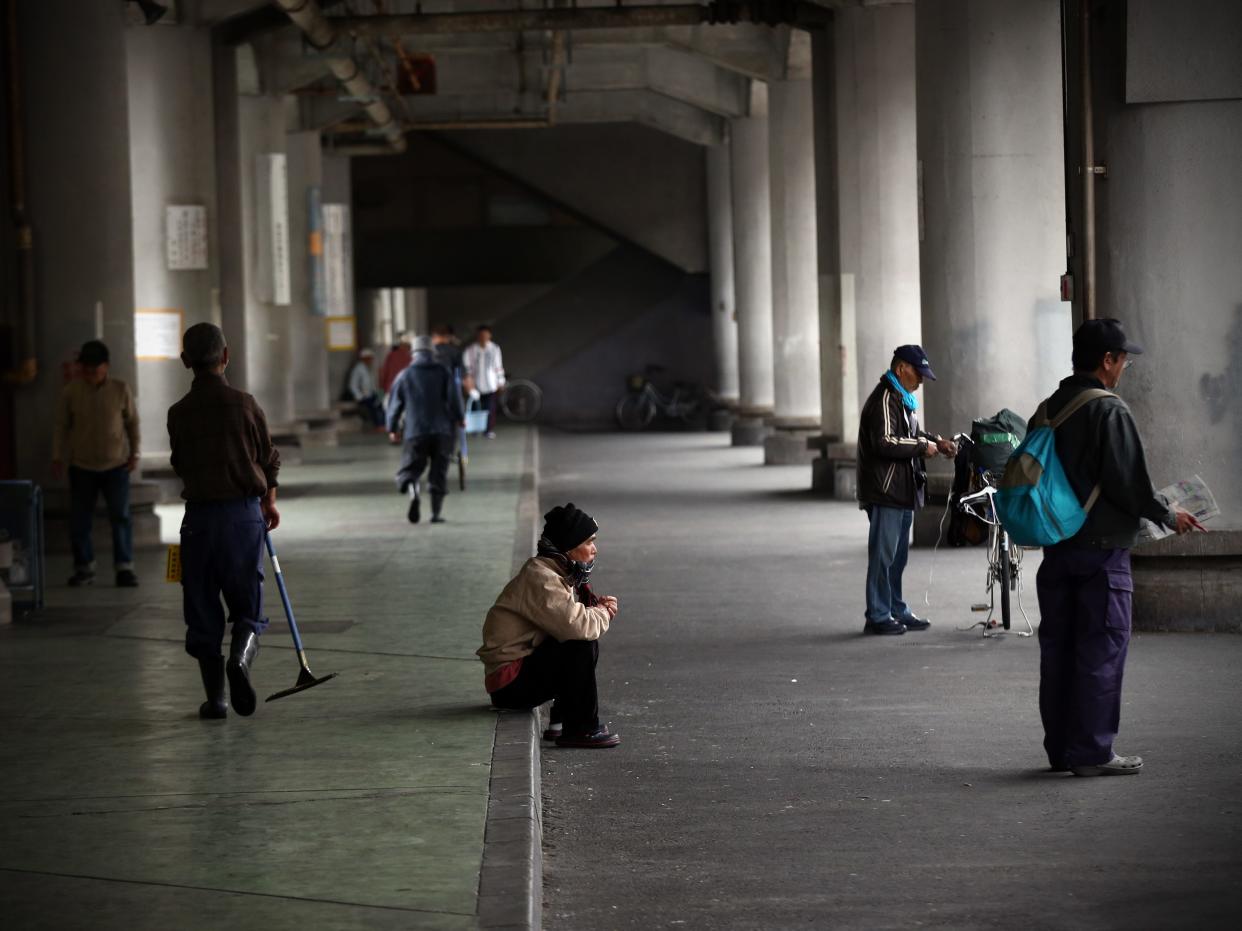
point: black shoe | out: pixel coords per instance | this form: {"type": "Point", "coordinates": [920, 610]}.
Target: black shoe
{"type": "Point", "coordinates": [212, 671]}
{"type": "Point", "coordinates": [241, 658]}
{"type": "Point", "coordinates": [598, 739]}
{"type": "Point", "coordinates": [125, 578]}
{"type": "Point", "coordinates": [889, 627]}
{"type": "Point", "coordinates": [437, 519]}
{"type": "Point", "coordinates": [910, 622]}
{"type": "Point", "coordinates": [81, 577]}
{"type": "Point", "coordinates": [437, 505]}
{"type": "Point", "coordinates": [415, 511]}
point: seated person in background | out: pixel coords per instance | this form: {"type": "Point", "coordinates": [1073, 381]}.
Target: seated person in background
{"type": "Point", "coordinates": [541, 637]}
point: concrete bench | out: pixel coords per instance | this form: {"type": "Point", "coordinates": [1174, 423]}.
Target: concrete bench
{"type": "Point", "coordinates": [1189, 583]}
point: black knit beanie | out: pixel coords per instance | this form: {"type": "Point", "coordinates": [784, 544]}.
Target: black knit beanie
{"type": "Point", "coordinates": [566, 527]}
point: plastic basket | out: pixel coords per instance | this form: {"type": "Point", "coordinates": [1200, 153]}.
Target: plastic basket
{"type": "Point", "coordinates": [476, 418]}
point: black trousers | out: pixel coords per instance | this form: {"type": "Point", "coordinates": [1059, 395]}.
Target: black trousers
{"type": "Point", "coordinates": [415, 454]}
{"type": "Point", "coordinates": [563, 673]}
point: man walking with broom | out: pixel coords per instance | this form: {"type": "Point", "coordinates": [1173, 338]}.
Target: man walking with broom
{"type": "Point", "coordinates": [223, 453]}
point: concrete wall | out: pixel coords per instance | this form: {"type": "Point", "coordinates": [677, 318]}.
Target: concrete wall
{"type": "Point", "coordinates": [172, 161]}
{"type": "Point", "coordinates": [78, 158]}
{"type": "Point", "coordinates": [641, 185]}
{"type": "Point", "coordinates": [1170, 232]}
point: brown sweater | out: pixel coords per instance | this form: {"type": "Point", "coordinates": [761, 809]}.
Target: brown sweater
{"type": "Point", "coordinates": [538, 602]}
{"type": "Point", "coordinates": [96, 425]}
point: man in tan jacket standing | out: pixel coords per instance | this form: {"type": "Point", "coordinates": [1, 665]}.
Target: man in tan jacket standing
{"type": "Point", "coordinates": [541, 637]}
{"type": "Point", "coordinates": [97, 436]}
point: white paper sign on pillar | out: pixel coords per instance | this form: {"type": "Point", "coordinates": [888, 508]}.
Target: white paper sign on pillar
{"type": "Point", "coordinates": [272, 216]}
{"type": "Point", "coordinates": [185, 237]}
{"type": "Point", "coordinates": [338, 260]}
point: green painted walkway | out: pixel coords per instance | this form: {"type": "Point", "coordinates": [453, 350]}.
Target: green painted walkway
{"type": "Point", "coordinates": [358, 804]}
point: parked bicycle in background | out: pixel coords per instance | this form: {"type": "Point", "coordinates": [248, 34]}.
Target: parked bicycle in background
{"type": "Point", "coordinates": [642, 401]}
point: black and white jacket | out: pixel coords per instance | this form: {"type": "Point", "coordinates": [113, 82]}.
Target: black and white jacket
{"type": "Point", "coordinates": [891, 449]}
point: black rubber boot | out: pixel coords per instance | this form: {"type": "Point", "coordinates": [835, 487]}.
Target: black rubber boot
{"type": "Point", "coordinates": [241, 658]}
{"type": "Point", "coordinates": [437, 504]}
{"type": "Point", "coordinates": [212, 671]}
{"type": "Point", "coordinates": [413, 513]}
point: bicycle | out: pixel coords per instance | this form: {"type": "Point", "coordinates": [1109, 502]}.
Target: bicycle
{"type": "Point", "coordinates": [521, 400]}
{"type": "Point", "coordinates": [642, 401]}
{"type": "Point", "coordinates": [1004, 556]}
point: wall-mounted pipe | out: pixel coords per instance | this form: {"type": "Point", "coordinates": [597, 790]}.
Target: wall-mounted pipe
{"type": "Point", "coordinates": [322, 33]}
{"type": "Point", "coordinates": [22, 366]}
{"type": "Point", "coordinates": [762, 12]}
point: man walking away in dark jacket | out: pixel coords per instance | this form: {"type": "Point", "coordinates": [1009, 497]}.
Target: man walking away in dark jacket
{"type": "Point", "coordinates": [426, 395]}
{"type": "Point", "coordinates": [891, 480]}
{"type": "Point", "coordinates": [1084, 582]}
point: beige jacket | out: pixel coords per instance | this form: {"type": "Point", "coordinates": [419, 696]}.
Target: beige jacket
{"type": "Point", "coordinates": [96, 427]}
{"type": "Point", "coordinates": [538, 602]}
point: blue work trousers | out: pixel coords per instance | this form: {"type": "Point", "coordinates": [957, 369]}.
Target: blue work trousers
{"type": "Point", "coordinates": [221, 555]}
{"type": "Point", "coordinates": [1085, 598]}
{"type": "Point", "coordinates": [888, 548]}
{"type": "Point", "coordinates": [85, 486]}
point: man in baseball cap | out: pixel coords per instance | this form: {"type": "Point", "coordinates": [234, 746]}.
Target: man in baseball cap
{"type": "Point", "coordinates": [891, 480]}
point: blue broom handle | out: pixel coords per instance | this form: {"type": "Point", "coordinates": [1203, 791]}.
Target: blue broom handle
{"type": "Point", "coordinates": [284, 593]}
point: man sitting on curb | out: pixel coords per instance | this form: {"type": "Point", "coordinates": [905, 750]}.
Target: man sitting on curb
{"type": "Point", "coordinates": [541, 637]}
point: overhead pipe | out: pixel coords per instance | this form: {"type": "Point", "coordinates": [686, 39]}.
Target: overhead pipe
{"type": "Point", "coordinates": [323, 33]}
{"type": "Point", "coordinates": [22, 365]}
{"type": "Point", "coordinates": [803, 15]}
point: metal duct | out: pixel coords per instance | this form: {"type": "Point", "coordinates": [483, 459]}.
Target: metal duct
{"type": "Point", "coordinates": [322, 33]}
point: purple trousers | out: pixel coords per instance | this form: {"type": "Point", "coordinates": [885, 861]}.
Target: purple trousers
{"type": "Point", "coordinates": [1084, 631]}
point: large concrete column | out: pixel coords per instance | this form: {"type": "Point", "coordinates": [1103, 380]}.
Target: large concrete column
{"type": "Point", "coordinates": [249, 124]}
{"type": "Point", "coordinates": [795, 273]}
{"type": "Point", "coordinates": [993, 238]}
{"type": "Point", "coordinates": [720, 256]}
{"type": "Point", "coordinates": [877, 172]}
{"type": "Point", "coordinates": [311, 393]}
{"type": "Point", "coordinates": [752, 269]}
{"type": "Point", "coordinates": [77, 156]}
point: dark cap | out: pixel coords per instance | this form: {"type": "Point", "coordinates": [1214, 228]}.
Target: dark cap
{"type": "Point", "coordinates": [568, 526]}
{"type": "Point", "coordinates": [92, 353]}
{"type": "Point", "coordinates": [1096, 337]}
{"type": "Point", "coordinates": [917, 357]}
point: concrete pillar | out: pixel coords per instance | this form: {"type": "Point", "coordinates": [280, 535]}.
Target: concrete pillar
{"type": "Point", "coordinates": [720, 256]}
{"type": "Point", "coordinates": [752, 266]}
{"type": "Point", "coordinates": [795, 274]}
{"type": "Point", "coordinates": [993, 236]}
{"type": "Point", "coordinates": [877, 172]}
{"type": "Point", "coordinates": [417, 318]}
{"type": "Point", "coordinates": [312, 396]}
{"type": "Point", "coordinates": [77, 155]}
{"type": "Point", "coordinates": [338, 189]}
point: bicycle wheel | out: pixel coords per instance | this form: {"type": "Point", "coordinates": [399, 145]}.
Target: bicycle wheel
{"type": "Point", "coordinates": [635, 411]}
{"type": "Point", "coordinates": [521, 400]}
{"type": "Point", "coordinates": [1003, 555]}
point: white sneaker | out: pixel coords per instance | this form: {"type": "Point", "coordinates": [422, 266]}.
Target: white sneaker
{"type": "Point", "coordinates": [1117, 766]}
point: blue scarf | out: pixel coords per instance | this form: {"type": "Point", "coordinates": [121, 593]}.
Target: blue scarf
{"type": "Point", "coordinates": [909, 400]}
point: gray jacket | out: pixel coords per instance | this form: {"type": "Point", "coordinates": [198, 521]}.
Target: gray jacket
{"type": "Point", "coordinates": [1100, 445]}
{"type": "Point", "coordinates": [426, 396]}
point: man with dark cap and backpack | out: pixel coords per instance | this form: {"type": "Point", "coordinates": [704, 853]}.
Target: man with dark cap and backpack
{"type": "Point", "coordinates": [891, 483]}
{"type": "Point", "coordinates": [1084, 581]}
{"type": "Point", "coordinates": [541, 637]}
{"type": "Point", "coordinates": [223, 453]}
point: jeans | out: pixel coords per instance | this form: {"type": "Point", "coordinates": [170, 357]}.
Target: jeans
{"type": "Point", "coordinates": [372, 408]}
{"type": "Point", "coordinates": [221, 554]}
{"type": "Point", "coordinates": [1084, 633]}
{"type": "Point", "coordinates": [888, 548]}
{"type": "Point", "coordinates": [85, 486]}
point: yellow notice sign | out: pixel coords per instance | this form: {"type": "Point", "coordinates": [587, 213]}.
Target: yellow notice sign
{"type": "Point", "coordinates": [172, 572]}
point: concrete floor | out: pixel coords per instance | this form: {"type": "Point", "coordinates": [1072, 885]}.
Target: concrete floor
{"type": "Point", "coordinates": [357, 804]}
{"type": "Point", "coordinates": [780, 770]}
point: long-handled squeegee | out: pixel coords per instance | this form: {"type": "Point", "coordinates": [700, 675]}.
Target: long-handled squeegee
{"type": "Point", "coordinates": [306, 679]}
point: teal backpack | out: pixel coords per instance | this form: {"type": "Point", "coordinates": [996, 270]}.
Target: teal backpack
{"type": "Point", "coordinates": [1034, 500]}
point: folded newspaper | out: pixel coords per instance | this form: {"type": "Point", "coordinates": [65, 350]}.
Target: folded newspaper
{"type": "Point", "coordinates": [1191, 495]}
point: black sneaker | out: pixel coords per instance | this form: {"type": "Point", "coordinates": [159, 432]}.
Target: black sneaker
{"type": "Point", "coordinates": [125, 578]}
{"type": "Point", "coordinates": [81, 577]}
{"type": "Point", "coordinates": [598, 739]}
{"type": "Point", "coordinates": [885, 628]}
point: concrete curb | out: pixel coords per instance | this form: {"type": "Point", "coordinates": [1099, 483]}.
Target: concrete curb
{"type": "Point", "coordinates": [511, 877]}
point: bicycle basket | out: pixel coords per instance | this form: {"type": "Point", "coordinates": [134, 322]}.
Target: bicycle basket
{"type": "Point", "coordinates": [994, 440]}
